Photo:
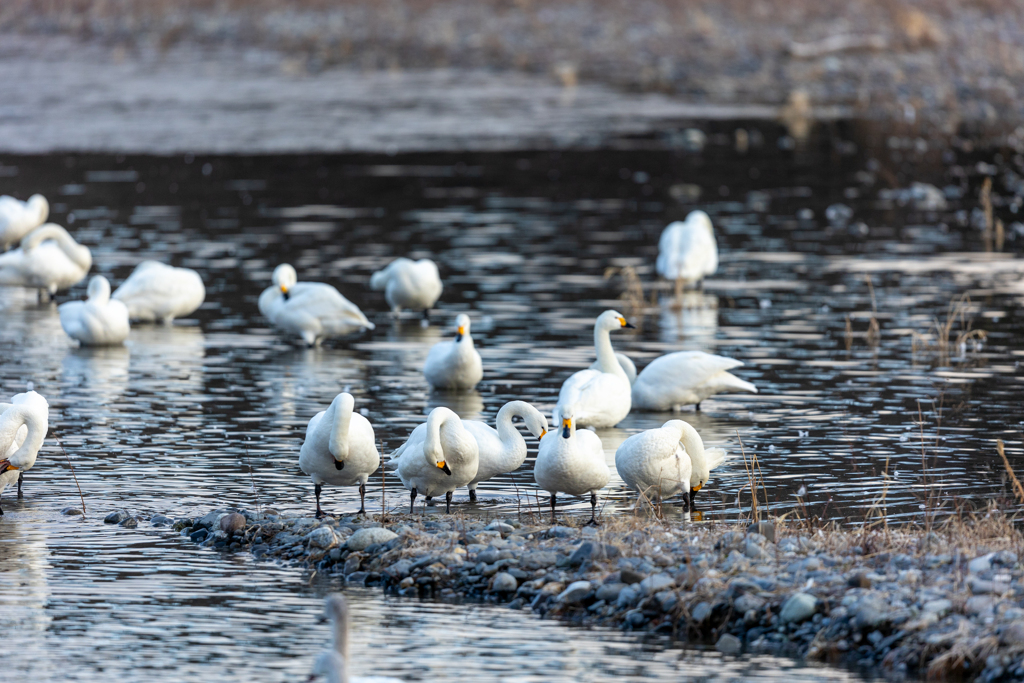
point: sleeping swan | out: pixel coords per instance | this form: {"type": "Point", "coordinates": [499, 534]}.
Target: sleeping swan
{"type": "Point", "coordinates": [332, 663]}
{"type": "Point", "coordinates": [687, 251]}
{"type": "Point", "coordinates": [312, 310]}
{"type": "Point", "coordinates": [49, 260]}
{"type": "Point", "coordinates": [571, 461]}
{"type": "Point", "coordinates": [18, 218]}
{"type": "Point", "coordinates": [23, 426]}
{"type": "Point", "coordinates": [455, 364]}
{"type": "Point", "coordinates": [97, 321]}
{"type": "Point", "coordinates": [157, 292]}
{"type": "Point", "coordinates": [599, 395]}
{"type": "Point", "coordinates": [409, 284]}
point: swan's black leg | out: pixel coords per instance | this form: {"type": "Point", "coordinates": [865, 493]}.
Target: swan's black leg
{"type": "Point", "coordinates": [362, 499]}
{"type": "Point", "coordinates": [21, 478]}
{"type": "Point", "coordinates": [686, 501]}
{"type": "Point", "coordinates": [698, 407]}
{"type": "Point", "coordinates": [316, 489]}
{"type": "Point", "coordinates": [472, 495]}
{"type": "Point", "coordinates": [426, 314]}
{"type": "Point", "coordinates": [693, 500]}
{"type": "Point", "coordinates": [429, 498]}
{"type": "Point", "coordinates": [593, 509]}
{"type": "Point", "coordinates": [412, 499]}
{"type": "Point", "coordinates": [553, 497]}
{"type": "Point", "coordinates": [448, 503]}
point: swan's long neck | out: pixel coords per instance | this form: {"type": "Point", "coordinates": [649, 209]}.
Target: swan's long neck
{"type": "Point", "coordinates": [606, 360]}
{"type": "Point", "coordinates": [15, 417]}
{"type": "Point", "coordinates": [79, 254]}
{"type": "Point", "coordinates": [510, 437]}
{"type": "Point", "coordinates": [342, 405]}
{"type": "Point", "coordinates": [437, 419]}
{"type": "Point", "coordinates": [341, 639]}
{"type": "Point", "coordinates": [694, 446]}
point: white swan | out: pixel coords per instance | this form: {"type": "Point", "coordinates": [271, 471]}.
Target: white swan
{"type": "Point", "coordinates": [23, 426]}
{"type": "Point", "coordinates": [687, 251]}
{"type": "Point", "coordinates": [18, 218]}
{"type": "Point", "coordinates": [682, 378]}
{"type": "Point", "coordinates": [438, 457]}
{"type": "Point", "coordinates": [312, 310]}
{"type": "Point", "coordinates": [503, 449]}
{"type": "Point", "coordinates": [656, 463]}
{"type": "Point", "coordinates": [49, 260]}
{"type": "Point", "coordinates": [571, 461]}
{"type": "Point", "coordinates": [155, 291]}
{"type": "Point", "coordinates": [455, 364]}
{"type": "Point", "coordinates": [601, 395]}
{"type": "Point", "coordinates": [340, 449]}
{"type": "Point", "coordinates": [409, 284]}
{"type": "Point", "coordinates": [97, 321]}
{"type": "Point", "coordinates": [332, 663]}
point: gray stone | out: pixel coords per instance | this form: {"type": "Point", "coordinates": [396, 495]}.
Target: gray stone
{"type": "Point", "coordinates": [631, 576]}
{"type": "Point", "coordinates": [574, 593]}
{"type": "Point", "coordinates": [199, 535]}
{"type": "Point", "coordinates": [979, 604]}
{"type": "Point", "coordinates": [799, 607]}
{"type": "Point", "coordinates": [504, 583]}
{"type": "Point", "coordinates": [353, 562]}
{"type": "Point", "coordinates": [501, 528]}
{"type": "Point", "coordinates": [729, 644]}
{"type": "Point", "coordinates": [560, 532]}
{"type": "Point", "coordinates": [210, 519]}
{"type": "Point", "coordinates": [1013, 635]}
{"type": "Point", "coordinates": [871, 612]}
{"type": "Point", "coordinates": [701, 612]}
{"type": "Point", "coordinates": [1005, 558]}
{"type": "Point", "coordinates": [160, 520]}
{"type": "Point", "coordinates": [539, 559]}
{"type": "Point", "coordinates": [980, 564]}
{"type": "Point", "coordinates": [115, 517]}
{"type": "Point", "coordinates": [754, 551]}
{"type": "Point", "coordinates": [667, 600]}
{"type": "Point", "coordinates": [399, 570]}
{"type": "Point", "coordinates": [592, 550]}
{"type": "Point", "coordinates": [232, 523]}
{"type": "Point", "coordinates": [356, 578]}
{"type": "Point", "coordinates": [321, 537]}
{"type": "Point", "coordinates": [364, 538]}
{"type": "Point", "coordinates": [628, 595]}
{"type": "Point", "coordinates": [129, 523]}
{"type": "Point", "coordinates": [71, 511]}
{"type": "Point", "coordinates": [656, 583]}
{"type": "Point", "coordinates": [940, 607]}
{"type": "Point", "coordinates": [609, 592]}
{"type": "Point", "coordinates": [748, 602]}
{"type": "Point", "coordinates": [766, 529]}
{"type": "Point", "coordinates": [635, 618]}
{"type": "Point", "coordinates": [335, 554]}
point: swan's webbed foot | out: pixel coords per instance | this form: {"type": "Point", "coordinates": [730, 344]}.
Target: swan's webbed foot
{"type": "Point", "coordinates": [593, 510]}
{"type": "Point", "coordinates": [553, 500]}
{"type": "Point", "coordinates": [21, 478]}
{"type": "Point", "coordinates": [472, 495]}
{"type": "Point", "coordinates": [429, 499]}
{"type": "Point", "coordinates": [448, 503]}
{"type": "Point", "coordinates": [686, 502]}
{"type": "Point", "coordinates": [412, 499]}
{"type": "Point", "coordinates": [698, 406]}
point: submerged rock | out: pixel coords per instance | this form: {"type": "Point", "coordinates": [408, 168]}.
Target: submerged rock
{"type": "Point", "coordinates": [116, 517]}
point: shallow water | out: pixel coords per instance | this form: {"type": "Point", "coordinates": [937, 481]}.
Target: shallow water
{"type": "Point", "coordinates": [172, 422]}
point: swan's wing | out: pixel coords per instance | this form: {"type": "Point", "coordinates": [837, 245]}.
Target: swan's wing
{"type": "Point", "coordinates": [324, 302]}
{"type": "Point", "coordinates": [149, 279]}
{"type": "Point", "coordinates": [579, 391]}
{"type": "Point", "coordinates": [413, 445]}
{"type": "Point", "coordinates": [685, 369]}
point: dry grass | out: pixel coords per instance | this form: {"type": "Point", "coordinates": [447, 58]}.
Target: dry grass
{"type": "Point", "coordinates": [633, 294]}
{"type": "Point", "coordinates": [1018, 490]}
{"type": "Point", "coordinates": [943, 337]}
{"type": "Point", "coordinates": [985, 198]}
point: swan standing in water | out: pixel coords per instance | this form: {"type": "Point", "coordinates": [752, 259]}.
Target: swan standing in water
{"type": "Point", "coordinates": [340, 449]}
{"type": "Point", "coordinates": [455, 364]}
{"type": "Point", "coordinates": [18, 218]}
{"type": "Point", "coordinates": [571, 461]}
{"type": "Point", "coordinates": [657, 463]}
{"type": "Point", "coordinates": [415, 285]}
{"type": "Point", "coordinates": [600, 395]}
{"type": "Point", "coordinates": [687, 251]}
{"type": "Point", "coordinates": [49, 260]}
{"type": "Point", "coordinates": [97, 321]}
{"type": "Point", "coordinates": [438, 457]}
{"type": "Point", "coordinates": [313, 310]}
{"type": "Point", "coordinates": [678, 379]}
{"type": "Point", "coordinates": [332, 663]}
{"type": "Point", "coordinates": [155, 291]}
{"type": "Point", "coordinates": [23, 426]}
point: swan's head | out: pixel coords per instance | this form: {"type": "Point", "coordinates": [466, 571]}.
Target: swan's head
{"type": "Point", "coordinates": [701, 220]}
{"type": "Point", "coordinates": [461, 326]}
{"type": "Point", "coordinates": [436, 456]}
{"type": "Point", "coordinates": [99, 289]}
{"type": "Point", "coordinates": [336, 609]}
{"type": "Point", "coordinates": [330, 666]}
{"type": "Point", "coordinates": [284, 278]}
{"type": "Point", "coordinates": [568, 418]}
{"type": "Point", "coordinates": [536, 423]}
{"type": "Point", "coordinates": [38, 203]}
{"type": "Point", "coordinates": [612, 320]}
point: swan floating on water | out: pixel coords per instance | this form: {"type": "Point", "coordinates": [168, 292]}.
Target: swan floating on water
{"type": "Point", "coordinates": [23, 426]}
{"type": "Point", "coordinates": [49, 260]}
{"type": "Point", "coordinates": [682, 378]}
{"type": "Point", "coordinates": [340, 449]}
{"type": "Point", "coordinates": [687, 251]}
{"type": "Point", "coordinates": [455, 364]}
{"type": "Point", "coordinates": [659, 463]}
{"type": "Point", "coordinates": [18, 218]}
{"type": "Point", "coordinates": [600, 395]}
{"type": "Point", "coordinates": [332, 663]}
{"type": "Point", "coordinates": [415, 285]}
{"type": "Point", "coordinates": [438, 457]}
{"type": "Point", "coordinates": [97, 321]}
{"type": "Point", "coordinates": [313, 310]}
{"type": "Point", "coordinates": [571, 461]}
{"type": "Point", "coordinates": [155, 291]}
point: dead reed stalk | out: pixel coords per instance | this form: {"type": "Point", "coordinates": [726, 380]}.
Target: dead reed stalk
{"type": "Point", "coordinates": [1018, 490]}
{"type": "Point", "coordinates": [633, 295]}
{"type": "Point", "coordinates": [985, 198]}
{"type": "Point", "coordinates": [80, 496]}
{"type": "Point", "coordinates": [252, 480]}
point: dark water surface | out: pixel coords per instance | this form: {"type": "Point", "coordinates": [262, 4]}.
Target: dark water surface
{"type": "Point", "coordinates": [170, 423]}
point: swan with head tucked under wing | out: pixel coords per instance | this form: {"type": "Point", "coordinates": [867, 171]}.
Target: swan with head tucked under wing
{"type": "Point", "coordinates": [313, 310]}
{"type": "Point", "coordinates": [155, 291]}
{"type": "Point", "coordinates": [438, 457]}
{"type": "Point", "coordinates": [415, 285]}
{"type": "Point", "coordinates": [97, 321]}
{"type": "Point", "coordinates": [600, 395]}
{"type": "Point", "coordinates": [23, 426]}
{"type": "Point", "coordinates": [49, 260]}
{"type": "Point", "coordinates": [340, 449]}
{"type": "Point", "coordinates": [571, 461]}
{"type": "Point", "coordinates": [18, 218]}
{"type": "Point", "coordinates": [659, 463]}
{"type": "Point", "coordinates": [455, 364]}
{"type": "Point", "coordinates": [687, 251]}
{"type": "Point", "coordinates": [332, 663]}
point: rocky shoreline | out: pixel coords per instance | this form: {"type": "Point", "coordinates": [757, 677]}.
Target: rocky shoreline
{"type": "Point", "coordinates": [946, 603]}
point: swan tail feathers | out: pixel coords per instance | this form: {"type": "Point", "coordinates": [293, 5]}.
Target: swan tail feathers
{"type": "Point", "coordinates": [734, 382]}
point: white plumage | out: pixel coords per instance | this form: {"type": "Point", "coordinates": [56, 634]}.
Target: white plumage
{"type": "Point", "coordinates": [655, 463]}
{"type": "Point", "coordinates": [340, 449]}
{"type": "Point", "coordinates": [97, 321]}
{"type": "Point", "coordinates": [155, 291]}
{"type": "Point", "coordinates": [571, 461]}
{"type": "Point", "coordinates": [312, 310]}
{"type": "Point", "coordinates": [332, 663]}
{"type": "Point", "coordinates": [503, 449]}
{"type": "Point", "coordinates": [455, 364]}
{"type": "Point", "coordinates": [601, 395]}
{"type": "Point", "coordinates": [687, 251]}
{"type": "Point", "coordinates": [415, 285]}
{"type": "Point", "coordinates": [18, 218]}
{"type": "Point", "coordinates": [49, 260]}
{"type": "Point", "coordinates": [23, 426]}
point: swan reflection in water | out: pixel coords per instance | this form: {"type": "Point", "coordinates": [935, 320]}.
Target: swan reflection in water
{"type": "Point", "coordinates": [24, 563]}
{"type": "Point", "coordinates": [167, 360]}
{"type": "Point", "coordinates": [469, 405]}
{"type": "Point", "coordinates": [96, 375]}
{"type": "Point", "coordinates": [692, 326]}
{"type": "Point", "coordinates": [299, 383]}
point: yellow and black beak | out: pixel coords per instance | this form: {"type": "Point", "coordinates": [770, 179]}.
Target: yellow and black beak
{"type": "Point", "coordinates": [284, 290]}
{"type": "Point", "coordinates": [443, 466]}
{"type": "Point", "coordinates": [339, 464]}
{"type": "Point", "coordinates": [543, 433]}
{"type": "Point", "coordinates": [697, 488]}
{"type": "Point", "coordinates": [461, 331]}
{"type": "Point", "coordinates": [566, 425]}
{"type": "Point", "coordinates": [624, 323]}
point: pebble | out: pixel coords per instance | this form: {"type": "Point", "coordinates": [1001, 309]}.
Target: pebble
{"type": "Point", "coordinates": [232, 523]}
{"type": "Point", "coordinates": [322, 537]}
{"type": "Point", "coordinates": [116, 517]}
{"type": "Point", "coordinates": [161, 520]}
{"type": "Point", "coordinates": [504, 582]}
{"type": "Point", "coordinates": [729, 644]}
{"type": "Point", "coordinates": [129, 523]}
{"type": "Point", "coordinates": [574, 593]}
{"type": "Point", "coordinates": [799, 607]}
{"type": "Point", "coordinates": [364, 538]}
{"type": "Point", "coordinates": [71, 511]}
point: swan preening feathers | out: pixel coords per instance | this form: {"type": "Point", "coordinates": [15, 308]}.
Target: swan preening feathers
{"type": "Point", "coordinates": [687, 251]}
{"type": "Point", "coordinates": [18, 218]}
{"type": "Point", "coordinates": [455, 364]}
{"type": "Point", "coordinates": [97, 321]}
{"type": "Point", "coordinates": [601, 395]}
{"type": "Point", "coordinates": [155, 291]}
{"type": "Point", "coordinates": [49, 260]}
{"type": "Point", "coordinates": [415, 285]}
{"type": "Point", "coordinates": [312, 310]}
{"type": "Point", "coordinates": [23, 426]}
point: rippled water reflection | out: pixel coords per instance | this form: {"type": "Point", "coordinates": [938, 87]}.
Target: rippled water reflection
{"type": "Point", "coordinates": [171, 422]}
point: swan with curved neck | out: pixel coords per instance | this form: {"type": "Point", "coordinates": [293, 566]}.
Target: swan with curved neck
{"type": "Point", "coordinates": [571, 461]}
{"type": "Point", "coordinates": [502, 448]}
{"type": "Point", "coordinates": [49, 260]}
{"type": "Point", "coordinates": [437, 458]}
{"type": "Point", "coordinates": [657, 463]}
{"type": "Point", "coordinates": [99, 320]}
{"type": "Point", "coordinates": [155, 291]}
{"type": "Point", "coordinates": [23, 426]}
{"type": "Point", "coordinates": [455, 364]}
{"type": "Point", "coordinates": [703, 459]}
{"type": "Point", "coordinates": [340, 449]}
{"type": "Point", "coordinates": [601, 395]}
{"type": "Point", "coordinates": [312, 310]}
{"type": "Point", "coordinates": [415, 285]}
{"type": "Point", "coordinates": [18, 218]}
{"type": "Point", "coordinates": [332, 663]}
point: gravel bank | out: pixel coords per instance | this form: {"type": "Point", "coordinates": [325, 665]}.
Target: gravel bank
{"type": "Point", "coordinates": [948, 603]}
